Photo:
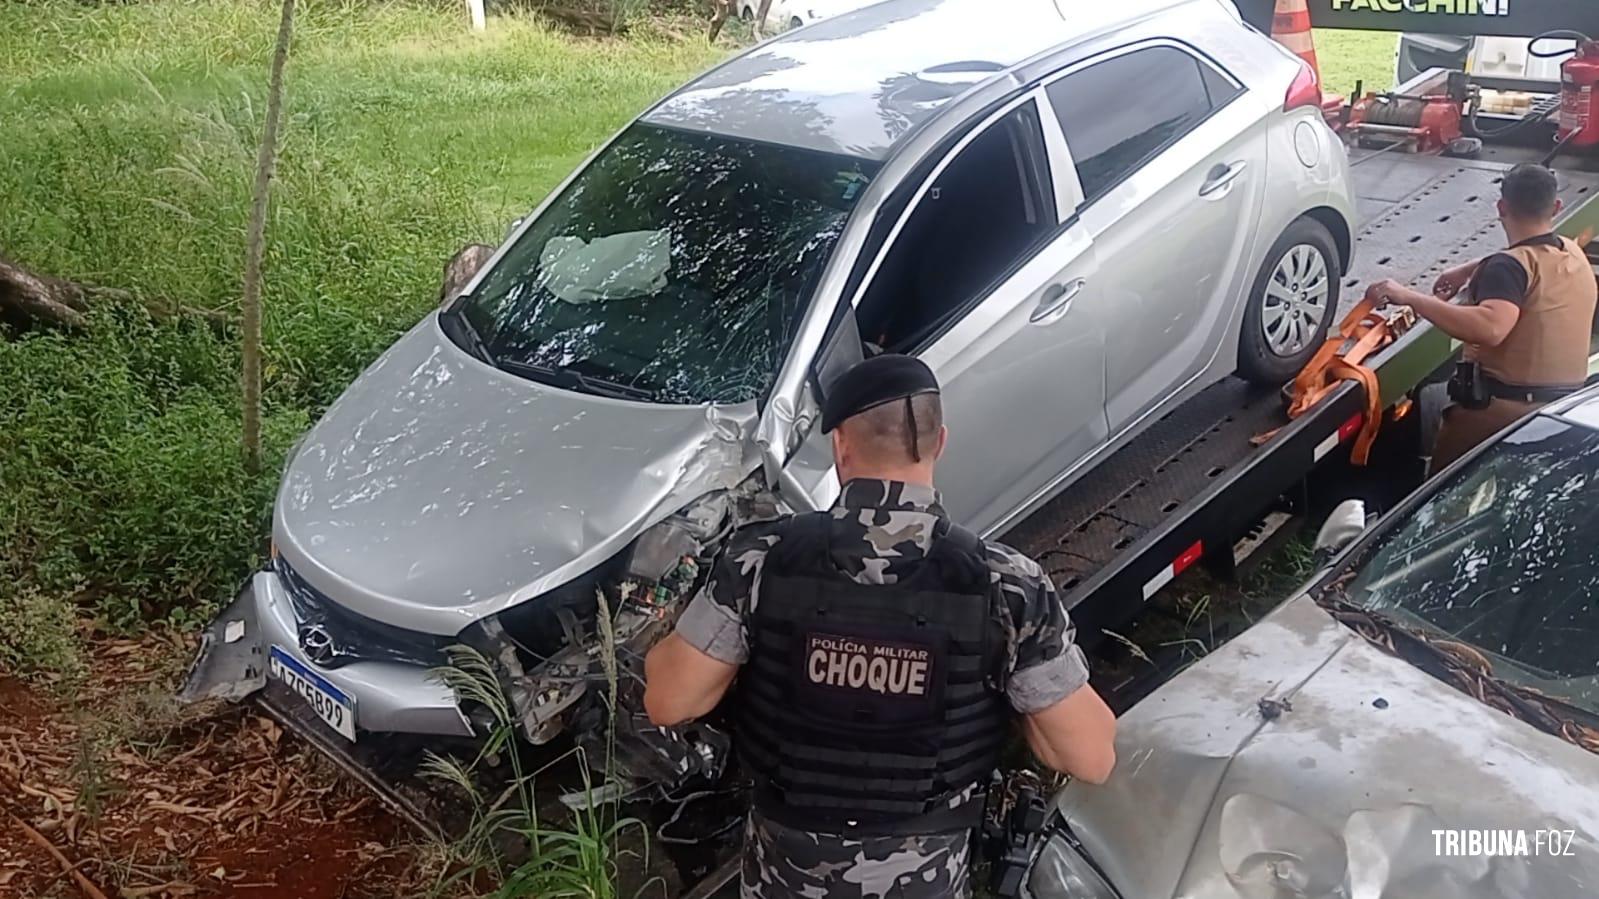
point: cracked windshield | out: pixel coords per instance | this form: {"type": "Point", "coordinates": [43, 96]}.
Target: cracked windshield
{"type": "Point", "coordinates": [673, 269]}
{"type": "Point", "coordinates": [1505, 558]}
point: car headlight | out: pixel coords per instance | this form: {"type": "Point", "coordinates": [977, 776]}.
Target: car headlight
{"type": "Point", "coordinates": [1064, 871]}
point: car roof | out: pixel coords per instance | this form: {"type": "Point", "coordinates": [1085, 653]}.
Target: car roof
{"type": "Point", "coordinates": [858, 83]}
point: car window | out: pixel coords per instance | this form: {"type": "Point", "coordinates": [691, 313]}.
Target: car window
{"type": "Point", "coordinates": [1120, 113]}
{"type": "Point", "coordinates": [675, 266]}
{"type": "Point", "coordinates": [1504, 557]}
{"type": "Point", "coordinates": [984, 215]}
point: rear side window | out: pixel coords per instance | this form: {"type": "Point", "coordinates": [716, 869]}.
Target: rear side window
{"type": "Point", "coordinates": [1118, 114]}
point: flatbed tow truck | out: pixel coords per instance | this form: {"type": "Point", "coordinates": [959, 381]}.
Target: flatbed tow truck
{"type": "Point", "coordinates": [1199, 486]}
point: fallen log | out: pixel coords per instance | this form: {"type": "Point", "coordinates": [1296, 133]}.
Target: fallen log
{"type": "Point", "coordinates": [32, 300]}
{"type": "Point", "coordinates": [27, 298]}
{"type": "Point", "coordinates": [586, 19]}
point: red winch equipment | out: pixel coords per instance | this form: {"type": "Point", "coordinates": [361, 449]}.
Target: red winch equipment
{"type": "Point", "coordinates": [1579, 98]}
{"type": "Point", "coordinates": [1430, 122]}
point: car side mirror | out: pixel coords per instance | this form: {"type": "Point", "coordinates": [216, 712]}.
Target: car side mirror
{"type": "Point", "coordinates": [1343, 527]}
{"type": "Point", "coordinates": [460, 270]}
{"type": "Point", "coordinates": [841, 350]}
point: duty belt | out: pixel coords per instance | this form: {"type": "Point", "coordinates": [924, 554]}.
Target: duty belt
{"type": "Point", "coordinates": [1502, 391]}
{"type": "Point", "coordinates": [967, 815]}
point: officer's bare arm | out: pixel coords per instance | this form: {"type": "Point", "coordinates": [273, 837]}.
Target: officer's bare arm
{"type": "Point", "coordinates": [682, 683]}
{"type": "Point", "coordinates": [1075, 736]}
{"type": "Point", "coordinates": [1487, 323]}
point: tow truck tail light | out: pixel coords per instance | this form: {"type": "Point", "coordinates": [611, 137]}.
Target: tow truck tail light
{"type": "Point", "coordinates": [1305, 91]}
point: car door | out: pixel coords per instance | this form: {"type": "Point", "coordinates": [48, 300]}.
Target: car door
{"type": "Point", "coordinates": [1172, 169]}
{"type": "Point", "coordinates": [989, 278]}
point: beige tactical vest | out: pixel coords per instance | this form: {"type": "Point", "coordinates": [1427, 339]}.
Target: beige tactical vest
{"type": "Point", "coordinates": [1548, 347]}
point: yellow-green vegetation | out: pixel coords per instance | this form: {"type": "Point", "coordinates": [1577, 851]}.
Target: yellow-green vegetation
{"type": "Point", "coordinates": [1350, 56]}
{"type": "Point", "coordinates": [129, 140]}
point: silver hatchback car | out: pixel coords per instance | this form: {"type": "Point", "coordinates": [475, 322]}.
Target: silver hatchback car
{"type": "Point", "coordinates": [1079, 213]}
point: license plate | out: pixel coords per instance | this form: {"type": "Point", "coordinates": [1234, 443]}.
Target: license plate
{"type": "Point", "coordinates": [329, 702]}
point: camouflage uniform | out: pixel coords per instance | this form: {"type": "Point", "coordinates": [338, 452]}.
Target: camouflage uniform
{"type": "Point", "coordinates": [895, 524]}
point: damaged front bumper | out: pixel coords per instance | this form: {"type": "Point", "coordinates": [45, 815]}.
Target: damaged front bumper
{"type": "Point", "coordinates": [232, 664]}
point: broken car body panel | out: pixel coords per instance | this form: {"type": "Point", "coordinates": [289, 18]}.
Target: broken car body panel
{"type": "Point", "coordinates": [1336, 786]}
{"type": "Point", "coordinates": [534, 484]}
{"type": "Point", "coordinates": [232, 665]}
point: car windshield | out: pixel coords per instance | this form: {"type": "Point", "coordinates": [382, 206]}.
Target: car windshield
{"type": "Point", "coordinates": [1505, 557]}
{"type": "Point", "coordinates": [674, 267]}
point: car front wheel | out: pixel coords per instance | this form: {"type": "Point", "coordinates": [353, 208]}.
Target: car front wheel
{"type": "Point", "coordinates": [1292, 304]}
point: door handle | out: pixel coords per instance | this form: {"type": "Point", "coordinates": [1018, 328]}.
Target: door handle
{"type": "Point", "coordinates": [1057, 298]}
{"type": "Point", "coordinates": [1221, 177]}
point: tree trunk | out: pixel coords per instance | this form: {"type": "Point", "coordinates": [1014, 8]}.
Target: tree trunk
{"type": "Point", "coordinates": [462, 266]}
{"type": "Point", "coordinates": [720, 10]}
{"type": "Point", "coordinates": [761, 12]}
{"type": "Point", "coordinates": [31, 300]}
{"type": "Point", "coordinates": [584, 18]}
{"type": "Point", "coordinates": [27, 299]}
{"type": "Point", "coordinates": [255, 245]}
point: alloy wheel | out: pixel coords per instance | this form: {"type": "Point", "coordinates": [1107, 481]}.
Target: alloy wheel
{"type": "Point", "coordinates": [1296, 300]}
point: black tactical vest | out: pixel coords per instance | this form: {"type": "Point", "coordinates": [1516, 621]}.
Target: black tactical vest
{"type": "Point", "coordinates": [865, 709]}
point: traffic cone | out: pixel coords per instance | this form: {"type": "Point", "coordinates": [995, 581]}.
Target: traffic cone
{"type": "Point", "coordinates": [1290, 26]}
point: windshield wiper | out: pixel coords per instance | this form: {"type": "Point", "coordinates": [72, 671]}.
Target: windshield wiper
{"type": "Point", "coordinates": [1472, 676]}
{"type": "Point", "coordinates": [561, 376]}
{"type": "Point", "coordinates": [466, 335]}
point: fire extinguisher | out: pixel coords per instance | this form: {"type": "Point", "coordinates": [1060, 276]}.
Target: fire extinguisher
{"type": "Point", "coordinates": [1579, 98]}
{"type": "Point", "coordinates": [1579, 91]}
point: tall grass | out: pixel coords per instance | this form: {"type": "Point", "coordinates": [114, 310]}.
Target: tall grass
{"type": "Point", "coordinates": [125, 160]}
{"type": "Point", "coordinates": [507, 841]}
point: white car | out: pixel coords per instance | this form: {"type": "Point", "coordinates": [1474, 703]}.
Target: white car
{"type": "Point", "coordinates": [797, 13]}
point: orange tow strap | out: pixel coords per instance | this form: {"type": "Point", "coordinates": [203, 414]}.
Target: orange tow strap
{"type": "Point", "coordinates": [1363, 332]}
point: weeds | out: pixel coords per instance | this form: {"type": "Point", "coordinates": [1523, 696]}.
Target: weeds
{"type": "Point", "coordinates": [126, 162]}
{"type": "Point", "coordinates": [38, 636]}
{"type": "Point", "coordinates": [507, 839]}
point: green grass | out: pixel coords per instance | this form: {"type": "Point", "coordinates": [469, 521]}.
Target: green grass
{"type": "Point", "coordinates": [129, 142]}
{"type": "Point", "coordinates": [1350, 56]}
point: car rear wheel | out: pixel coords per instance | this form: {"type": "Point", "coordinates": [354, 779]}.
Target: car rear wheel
{"type": "Point", "coordinates": [796, 22]}
{"type": "Point", "coordinates": [1292, 304]}
{"type": "Point", "coordinates": [747, 14]}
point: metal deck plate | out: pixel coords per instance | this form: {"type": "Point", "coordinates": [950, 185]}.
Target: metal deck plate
{"type": "Point", "coordinates": [1146, 481]}
{"type": "Point", "coordinates": [1420, 214]}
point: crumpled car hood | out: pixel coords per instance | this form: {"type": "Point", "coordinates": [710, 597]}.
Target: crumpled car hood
{"type": "Point", "coordinates": [438, 489]}
{"type": "Point", "coordinates": [1334, 791]}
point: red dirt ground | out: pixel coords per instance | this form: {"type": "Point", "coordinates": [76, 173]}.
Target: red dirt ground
{"type": "Point", "coordinates": [147, 800]}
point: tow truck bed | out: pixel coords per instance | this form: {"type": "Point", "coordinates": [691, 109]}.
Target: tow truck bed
{"type": "Point", "coordinates": [1193, 483]}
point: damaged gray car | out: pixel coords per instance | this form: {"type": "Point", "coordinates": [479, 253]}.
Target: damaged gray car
{"type": "Point", "coordinates": [635, 373]}
{"type": "Point", "coordinates": [1420, 723]}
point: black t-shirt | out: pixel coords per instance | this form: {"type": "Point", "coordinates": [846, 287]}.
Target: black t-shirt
{"type": "Point", "coordinates": [1502, 277]}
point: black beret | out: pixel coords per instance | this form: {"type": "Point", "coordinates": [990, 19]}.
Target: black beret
{"type": "Point", "coordinates": [873, 382]}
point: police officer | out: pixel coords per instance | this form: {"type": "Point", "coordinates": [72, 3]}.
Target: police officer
{"type": "Point", "coordinates": [884, 651]}
{"type": "Point", "coordinates": [1528, 322]}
